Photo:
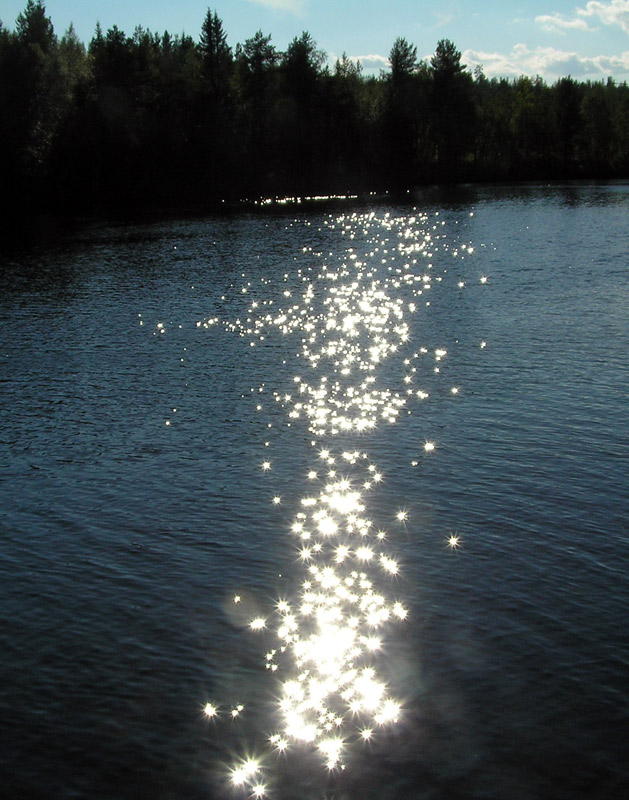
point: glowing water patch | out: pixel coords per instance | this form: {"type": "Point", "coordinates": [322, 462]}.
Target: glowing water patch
{"type": "Point", "coordinates": [349, 313]}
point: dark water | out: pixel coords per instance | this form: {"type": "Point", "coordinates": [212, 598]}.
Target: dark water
{"type": "Point", "coordinates": [129, 529]}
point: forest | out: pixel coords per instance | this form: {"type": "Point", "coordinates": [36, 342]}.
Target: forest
{"type": "Point", "coordinates": [166, 120]}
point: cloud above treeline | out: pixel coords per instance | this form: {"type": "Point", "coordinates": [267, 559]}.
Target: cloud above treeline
{"type": "Point", "coordinates": [551, 62]}
{"type": "Point", "coordinates": [615, 12]}
{"type": "Point", "coordinates": [548, 62]}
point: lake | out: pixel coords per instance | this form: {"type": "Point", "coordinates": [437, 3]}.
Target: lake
{"type": "Point", "coordinates": [322, 500]}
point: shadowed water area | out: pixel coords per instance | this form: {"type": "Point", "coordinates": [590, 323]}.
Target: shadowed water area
{"type": "Point", "coordinates": [324, 502]}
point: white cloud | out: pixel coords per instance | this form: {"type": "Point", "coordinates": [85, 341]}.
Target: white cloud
{"type": "Point", "coordinates": [548, 62]}
{"type": "Point", "coordinates": [614, 12]}
{"type": "Point", "coordinates": [295, 6]}
{"type": "Point", "coordinates": [442, 18]}
{"type": "Point", "coordinates": [613, 64]}
{"type": "Point", "coordinates": [495, 65]}
{"type": "Point", "coordinates": [372, 62]}
{"type": "Point", "coordinates": [555, 23]}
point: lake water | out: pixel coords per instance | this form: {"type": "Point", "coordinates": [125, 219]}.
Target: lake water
{"type": "Point", "coordinates": [320, 502]}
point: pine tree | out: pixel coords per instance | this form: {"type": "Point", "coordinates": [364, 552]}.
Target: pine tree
{"type": "Point", "coordinates": [403, 59]}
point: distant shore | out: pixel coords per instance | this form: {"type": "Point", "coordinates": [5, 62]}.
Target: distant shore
{"type": "Point", "coordinates": [151, 120]}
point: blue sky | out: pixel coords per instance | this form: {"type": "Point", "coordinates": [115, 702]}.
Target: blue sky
{"type": "Point", "coordinates": [551, 38]}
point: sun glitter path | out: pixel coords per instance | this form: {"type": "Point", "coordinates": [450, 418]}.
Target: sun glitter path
{"type": "Point", "coordinates": [350, 315]}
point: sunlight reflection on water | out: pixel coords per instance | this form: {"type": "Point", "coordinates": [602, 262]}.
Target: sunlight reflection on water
{"type": "Point", "coordinates": [355, 316]}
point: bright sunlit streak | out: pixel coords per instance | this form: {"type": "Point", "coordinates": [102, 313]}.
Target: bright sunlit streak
{"type": "Point", "coordinates": [353, 316]}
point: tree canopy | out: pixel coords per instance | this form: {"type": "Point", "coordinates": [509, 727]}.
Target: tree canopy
{"type": "Point", "coordinates": [402, 59]}
{"type": "Point", "coordinates": [161, 118]}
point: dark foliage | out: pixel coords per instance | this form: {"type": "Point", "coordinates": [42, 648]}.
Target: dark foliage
{"type": "Point", "coordinates": [153, 119]}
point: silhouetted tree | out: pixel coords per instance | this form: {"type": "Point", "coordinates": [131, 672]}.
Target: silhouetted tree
{"type": "Point", "coordinates": [299, 124]}
{"type": "Point", "coordinates": [36, 100]}
{"type": "Point", "coordinates": [494, 146]}
{"type": "Point", "coordinates": [405, 113]}
{"type": "Point", "coordinates": [403, 60]}
{"type": "Point", "coordinates": [452, 108]}
{"type": "Point", "coordinates": [346, 127]}
{"type": "Point", "coordinates": [567, 102]}
{"type": "Point", "coordinates": [348, 69]}
{"type": "Point", "coordinates": [256, 82]}
{"type": "Point", "coordinates": [260, 56]}
{"type": "Point", "coordinates": [596, 136]}
{"type": "Point", "coordinates": [532, 129]}
{"type": "Point", "coordinates": [213, 139]}
{"type": "Point", "coordinates": [301, 66]}
{"type": "Point", "coordinates": [216, 56]}
{"type": "Point", "coordinates": [154, 118]}
{"type": "Point", "coordinates": [34, 28]}
{"type": "Point", "coordinates": [619, 102]}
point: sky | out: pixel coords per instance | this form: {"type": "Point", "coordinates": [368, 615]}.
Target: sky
{"type": "Point", "coordinates": [588, 40]}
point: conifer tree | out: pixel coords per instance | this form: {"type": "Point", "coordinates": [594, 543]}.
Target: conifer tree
{"type": "Point", "coordinates": [403, 59]}
{"type": "Point", "coordinates": [452, 108]}
{"type": "Point", "coordinates": [33, 27]}
{"type": "Point", "coordinates": [216, 57]}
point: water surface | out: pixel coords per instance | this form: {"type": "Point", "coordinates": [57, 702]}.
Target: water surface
{"type": "Point", "coordinates": [173, 391]}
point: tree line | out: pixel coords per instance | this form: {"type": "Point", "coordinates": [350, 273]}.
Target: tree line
{"type": "Point", "coordinates": [163, 119]}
